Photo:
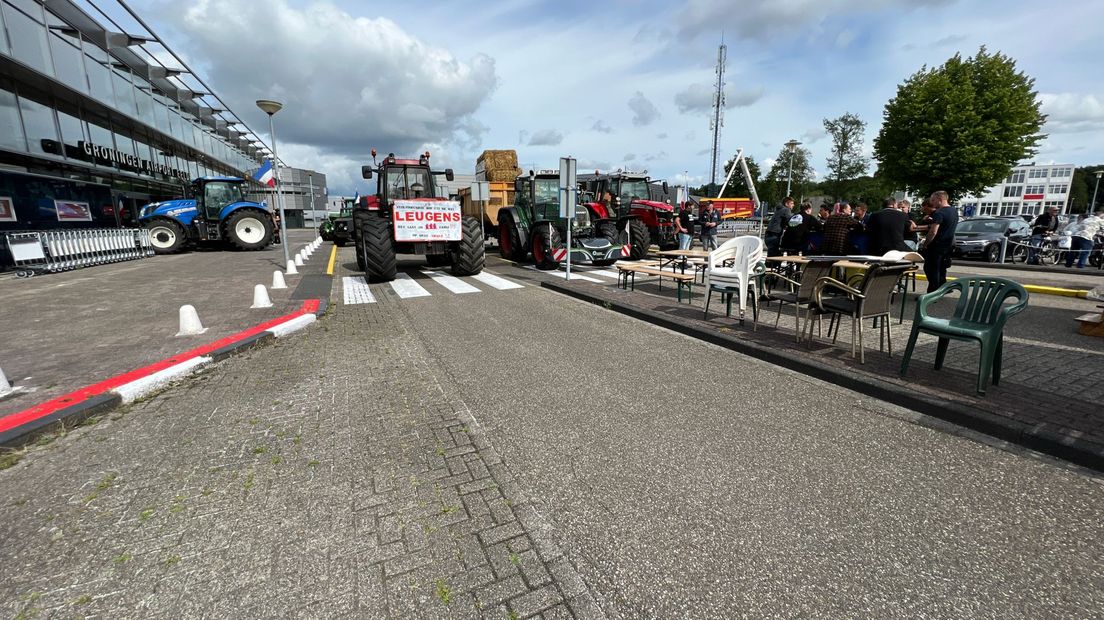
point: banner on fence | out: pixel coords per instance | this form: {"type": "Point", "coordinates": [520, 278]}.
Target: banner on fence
{"type": "Point", "coordinates": [72, 211]}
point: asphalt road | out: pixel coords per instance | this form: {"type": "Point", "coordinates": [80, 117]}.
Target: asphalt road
{"type": "Point", "coordinates": [691, 481]}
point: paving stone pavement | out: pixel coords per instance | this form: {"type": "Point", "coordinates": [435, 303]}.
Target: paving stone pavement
{"type": "Point", "coordinates": [331, 474]}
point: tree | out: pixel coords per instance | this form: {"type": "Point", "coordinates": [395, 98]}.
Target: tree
{"type": "Point", "coordinates": [774, 184]}
{"type": "Point", "coordinates": [1081, 189]}
{"type": "Point", "coordinates": [959, 127]}
{"type": "Point", "coordinates": [845, 160]}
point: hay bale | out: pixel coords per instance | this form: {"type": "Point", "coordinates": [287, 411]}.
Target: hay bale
{"type": "Point", "coordinates": [497, 166]}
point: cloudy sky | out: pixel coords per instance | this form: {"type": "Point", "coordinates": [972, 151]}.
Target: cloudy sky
{"type": "Point", "coordinates": [615, 83]}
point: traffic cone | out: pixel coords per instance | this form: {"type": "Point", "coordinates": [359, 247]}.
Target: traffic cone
{"type": "Point", "coordinates": [278, 279]}
{"type": "Point", "coordinates": [260, 297]}
{"type": "Point", "coordinates": [189, 322]}
{"type": "Point", "coordinates": [298, 260]}
{"type": "Point", "coordinates": [291, 270]}
{"type": "Point", "coordinates": [5, 386]}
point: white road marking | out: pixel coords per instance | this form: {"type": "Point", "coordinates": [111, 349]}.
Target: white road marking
{"type": "Point", "coordinates": [357, 291]}
{"type": "Point", "coordinates": [607, 273]}
{"type": "Point", "coordinates": [406, 287]}
{"type": "Point", "coordinates": [452, 283]}
{"type": "Point", "coordinates": [561, 274]}
{"type": "Point", "coordinates": [491, 279]}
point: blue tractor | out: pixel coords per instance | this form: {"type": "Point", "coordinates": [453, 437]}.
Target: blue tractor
{"type": "Point", "coordinates": [219, 212]}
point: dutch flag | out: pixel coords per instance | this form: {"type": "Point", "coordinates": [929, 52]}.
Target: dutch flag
{"type": "Point", "coordinates": [266, 175]}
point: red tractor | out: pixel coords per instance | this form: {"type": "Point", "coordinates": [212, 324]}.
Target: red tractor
{"type": "Point", "coordinates": [405, 216]}
{"type": "Point", "coordinates": [647, 221]}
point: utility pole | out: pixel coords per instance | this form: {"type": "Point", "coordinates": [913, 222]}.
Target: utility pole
{"type": "Point", "coordinates": [716, 121]}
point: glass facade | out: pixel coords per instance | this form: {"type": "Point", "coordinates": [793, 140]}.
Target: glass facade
{"type": "Point", "coordinates": [85, 116]}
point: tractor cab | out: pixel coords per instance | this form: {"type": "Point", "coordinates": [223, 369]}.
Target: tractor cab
{"type": "Point", "coordinates": [539, 193]}
{"type": "Point", "coordinates": [212, 196]}
{"type": "Point", "coordinates": [403, 179]}
{"type": "Point", "coordinates": [624, 188]}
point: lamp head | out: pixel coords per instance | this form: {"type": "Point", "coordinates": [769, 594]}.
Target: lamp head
{"type": "Point", "coordinates": [269, 107]}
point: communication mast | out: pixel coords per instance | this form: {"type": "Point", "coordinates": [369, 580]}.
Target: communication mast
{"type": "Point", "coordinates": [716, 120]}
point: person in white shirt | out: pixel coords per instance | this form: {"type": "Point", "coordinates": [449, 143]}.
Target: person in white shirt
{"type": "Point", "coordinates": [1087, 227]}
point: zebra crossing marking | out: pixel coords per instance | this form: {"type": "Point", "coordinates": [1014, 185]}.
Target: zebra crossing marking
{"type": "Point", "coordinates": [405, 287]}
{"type": "Point", "coordinates": [491, 279]}
{"type": "Point", "coordinates": [561, 274]}
{"type": "Point", "coordinates": [357, 291]}
{"type": "Point", "coordinates": [452, 283]}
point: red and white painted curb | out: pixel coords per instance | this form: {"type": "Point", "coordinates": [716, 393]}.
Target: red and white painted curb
{"type": "Point", "coordinates": [130, 386]}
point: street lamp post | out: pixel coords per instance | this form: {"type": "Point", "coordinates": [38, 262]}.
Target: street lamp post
{"type": "Point", "coordinates": [792, 145]}
{"type": "Point", "coordinates": [1092, 207]}
{"type": "Point", "coordinates": [270, 108]}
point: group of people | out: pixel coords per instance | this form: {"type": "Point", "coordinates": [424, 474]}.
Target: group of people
{"type": "Point", "coordinates": [1081, 230]}
{"type": "Point", "coordinates": [887, 230]}
{"type": "Point", "coordinates": [684, 226]}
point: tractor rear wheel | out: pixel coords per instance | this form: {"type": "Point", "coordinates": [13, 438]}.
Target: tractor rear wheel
{"type": "Point", "coordinates": [358, 223]}
{"type": "Point", "coordinates": [248, 229]}
{"type": "Point", "coordinates": [509, 239]}
{"type": "Point", "coordinates": [470, 255]}
{"type": "Point", "coordinates": [639, 240]}
{"type": "Point", "coordinates": [545, 240]}
{"type": "Point", "coordinates": [607, 229]}
{"type": "Point", "coordinates": [375, 243]}
{"type": "Point", "coordinates": [166, 236]}
{"type": "Point", "coordinates": [438, 260]}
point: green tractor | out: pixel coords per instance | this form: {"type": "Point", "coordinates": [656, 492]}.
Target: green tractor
{"type": "Point", "coordinates": [338, 227]}
{"type": "Point", "coordinates": [533, 226]}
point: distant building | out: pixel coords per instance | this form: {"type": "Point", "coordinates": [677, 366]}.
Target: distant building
{"type": "Point", "coordinates": [451, 189]}
{"type": "Point", "coordinates": [1027, 190]}
{"type": "Point", "coordinates": [297, 185]}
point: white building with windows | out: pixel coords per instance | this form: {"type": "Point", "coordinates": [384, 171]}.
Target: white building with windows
{"type": "Point", "coordinates": [1027, 190]}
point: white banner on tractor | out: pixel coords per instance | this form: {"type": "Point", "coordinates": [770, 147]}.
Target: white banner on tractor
{"type": "Point", "coordinates": [427, 220]}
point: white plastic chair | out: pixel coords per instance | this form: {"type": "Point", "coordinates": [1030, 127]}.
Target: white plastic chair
{"type": "Point", "coordinates": [745, 253]}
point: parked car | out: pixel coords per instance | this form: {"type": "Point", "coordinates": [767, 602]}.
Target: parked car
{"type": "Point", "coordinates": [981, 238]}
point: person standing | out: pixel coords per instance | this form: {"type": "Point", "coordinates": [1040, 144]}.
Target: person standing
{"type": "Point", "coordinates": [1044, 225]}
{"type": "Point", "coordinates": [938, 243]}
{"type": "Point", "coordinates": [911, 236]}
{"type": "Point", "coordinates": [825, 212]}
{"type": "Point", "coordinates": [796, 235]}
{"type": "Point", "coordinates": [861, 213]}
{"type": "Point", "coordinates": [1082, 239]}
{"type": "Point", "coordinates": [684, 227]}
{"type": "Point", "coordinates": [837, 231]}
{"type": "Point", "coordinates": [886, 229]}
{"type": "Point", "coordinates": [778, 222]}
{"type": "Point", "coordinates": [710, 220]}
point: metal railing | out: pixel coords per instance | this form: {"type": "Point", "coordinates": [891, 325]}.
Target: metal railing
{"type": "Point", "coordinates": [53, 251]}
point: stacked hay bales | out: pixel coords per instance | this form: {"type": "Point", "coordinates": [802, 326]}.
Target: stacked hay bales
{"type": "Point", "coordinates": [497, 166]}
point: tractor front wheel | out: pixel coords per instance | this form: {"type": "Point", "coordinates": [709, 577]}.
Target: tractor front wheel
{"type": "Point", "coordinates": [166, 236]}
{"type": "Point", "coordinates": [607, 229]}
{"type": "Point", "coordinates": [470, 255]}
{"type": "Point", "coordinates": [545, 240]}
{"type": "Point", "coordinates": [358, 224]}
{"type": "Point", "coordinates": [248, 229]}
{"type": "Point", "coordinates": [639, 239]}
{"type": "Point", "coordinates": [375, 243]}
{"type": "Point", "coordinates": [509, 239]}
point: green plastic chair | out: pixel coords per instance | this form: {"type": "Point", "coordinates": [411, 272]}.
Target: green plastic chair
{"type": "Point", "coordinates": [979, 315]}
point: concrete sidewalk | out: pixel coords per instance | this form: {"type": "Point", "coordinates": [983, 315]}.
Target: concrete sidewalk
{"type": "Point", "coordinates": [64, 331]}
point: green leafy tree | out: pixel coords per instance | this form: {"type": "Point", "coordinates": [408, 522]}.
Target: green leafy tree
{"type": "Point", "coordinates": [774, 184]}
{"type": "Point", "coordinates": [959, 127]}
{"type": "Point", "coordinates": [1081, 189]}
{"type": "Point", "coordinates": [845, 159]}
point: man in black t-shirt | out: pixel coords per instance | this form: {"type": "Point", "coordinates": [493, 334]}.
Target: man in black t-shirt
{"type": "Point", "coordinates": [886, 229]}
{"type": "Point", "coordinates": [1041, 228]}
{"type": "Point", "coordinates": [939, 241]}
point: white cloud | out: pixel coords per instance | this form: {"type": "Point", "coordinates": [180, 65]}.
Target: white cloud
{"type": "Point", "coordinates": [601, 127]}
{"type": "Point", "coordinates": [546, 137]}
{"type": "Point", "coordinates": [763, 19]}
{"type": "Point", "coordinates": [629, 156]}
{"type": "Point", "coordinates": [644, 111]}
{"type": "Point", "coordinates": [845, 38]}
{"type": "Point", "coordinates": [347, 83]}
{"type": "Point", "coordinates": [1071, 112]}
{"type": "Point", "coordinates": [698, 98]}
{"type": "Point", "coordinates": [814, 135]}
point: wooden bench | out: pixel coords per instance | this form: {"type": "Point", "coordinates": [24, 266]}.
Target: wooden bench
{"type": "Point", "coordinates": [626, 278]}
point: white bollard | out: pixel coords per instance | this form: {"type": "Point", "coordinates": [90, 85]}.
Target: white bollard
{"type": "Point", "coordinates": [298, 260]}
{"type": "Point", "coordinates": [189, 322]}
{"type": "Point", "coordinates": [278, 279]}
{"type": "Point", "coordinates": [291, 270]}
{"type": "Point", "coordinates": [260, 297]}
{"type": "Point", "coordinates": [5, 387]}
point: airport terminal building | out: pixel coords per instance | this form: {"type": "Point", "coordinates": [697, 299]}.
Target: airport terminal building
{"type": "Point", "coordinates": [98, 117]}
